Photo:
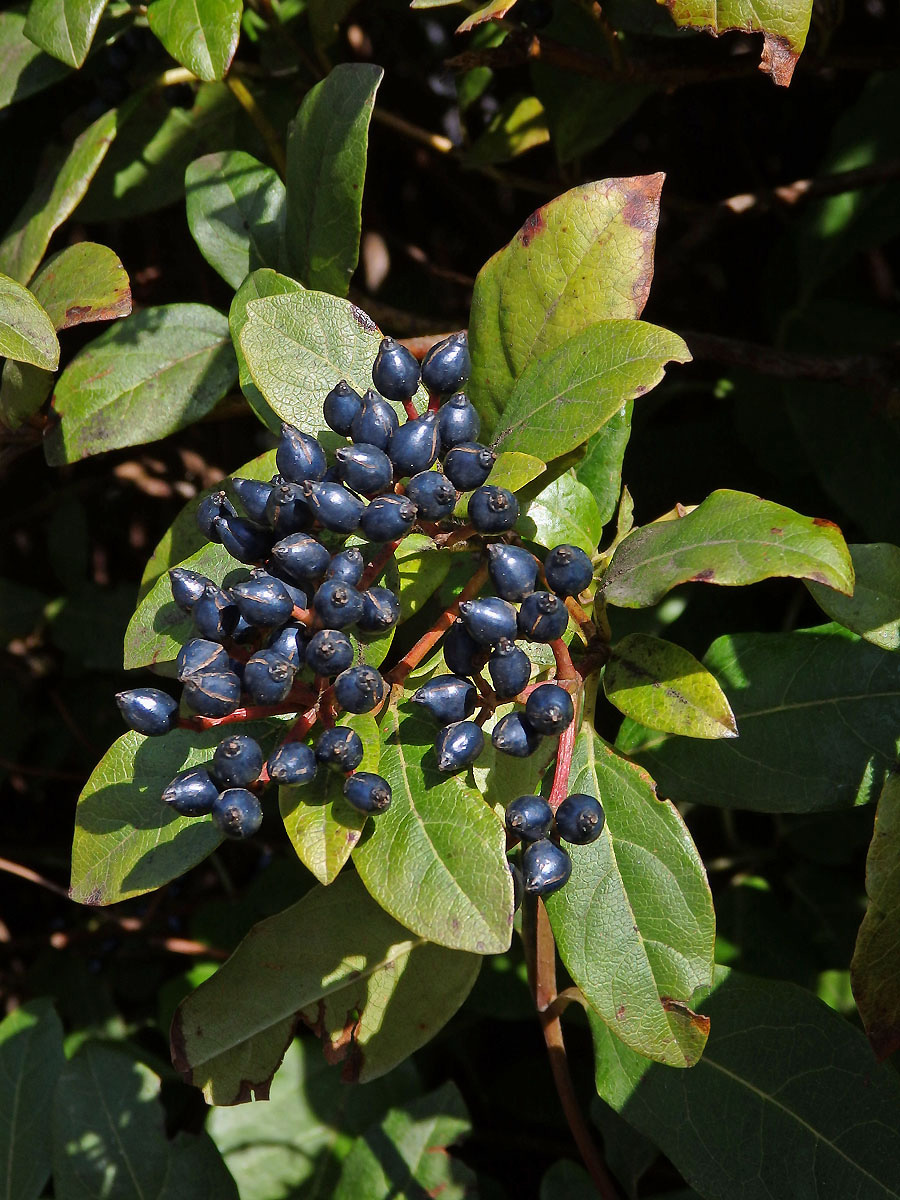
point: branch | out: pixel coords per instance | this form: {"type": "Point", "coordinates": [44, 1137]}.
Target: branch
{"type": "Point", "coordinates": [416, 653]}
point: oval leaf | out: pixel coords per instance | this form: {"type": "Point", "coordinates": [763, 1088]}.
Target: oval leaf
{"type": "Point", "coordinates": [873, 611]}
{"type": "Point", "coordinates": [64, 28]}
{"type": "Point", "coordinates": [664, 687]}
{"type": "Point", "coordinates": [31, 1059]}
{"type": "Point", "coordinates": [731, 538]}
{"type": "Point", "coordinates": [24, 69]}
{"type": "Point", "coordinates": [565, 511]}
{"type": "Point", "coordinates": [200, 34]}
{"type": "Point", "coordinates": [264, 282]}
{"type": "Point", "coordinates": [26, 331]}
{"type": "Point", "coordinates": [335, 960]}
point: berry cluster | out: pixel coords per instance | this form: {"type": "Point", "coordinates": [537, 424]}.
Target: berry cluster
{"type": "Point", "coordinates": [279, 640]}
{"type": "Point", "coordinates": [545, 866]}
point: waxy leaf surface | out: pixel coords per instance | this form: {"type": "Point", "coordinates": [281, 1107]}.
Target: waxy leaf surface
{"type": "Point", "coordinates": [31, 1058]}
{"type": "Point", "coordinates": [783, 23]}
{"type": "Point", "coordinates": [26, 331]}
{"type": "Point", "coordinates": [64, 28]}
{"type": "Point", "coordinates": [264, 282]}
{"type": "Point", "coordinates": [200, 34]}
{"type": "Point", "coordinates": [873, 611]}
{"type": "Point", "coordinates": [565, 511]}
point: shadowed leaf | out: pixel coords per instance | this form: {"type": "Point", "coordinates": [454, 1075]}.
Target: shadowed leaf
{"type": "Point", "coordinates": [873, 611]}
{"type": "Point", "coordinates": [31, 1058]}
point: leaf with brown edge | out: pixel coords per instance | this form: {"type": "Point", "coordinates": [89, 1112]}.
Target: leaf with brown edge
{"type": "Point", "coordinates": [371, 990]}
{"type": "Point", "coordinates": [488, 12]}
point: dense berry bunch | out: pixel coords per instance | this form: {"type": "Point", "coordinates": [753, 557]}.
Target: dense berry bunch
{"type": "Point", "coordinates": [290, 636]}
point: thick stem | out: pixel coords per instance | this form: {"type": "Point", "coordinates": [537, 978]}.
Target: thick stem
{"type": "Point", "coordinates": [565, 671]}
{"type": "Point", "coordinates": [429, 640]}
{"type": "Point", "coordinates": [410, 409]}
{"type": "Point", "coordinates": [560, 788]}
{"type": "Point", "coordinates": [577, 613]}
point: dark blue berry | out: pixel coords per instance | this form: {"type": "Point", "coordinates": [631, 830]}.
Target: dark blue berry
{"type": "Point", "coordinates": [290, 644]}
{"type": "Point", "coordinates": [364, 468]}
{"type": "Point", "coordinates": [191, 793]}
{"type": "Point", "coordinates": [580, 819]}
{"type": "Point", "coordinates": [433, 495]}
{"type": "Point", "coordinates": [337, 604]}
{"type": "Point", "coordinates": [549, 709]}
{"type": "Point", "coordinates": [215, 614]}
{"type": "Point", "coordinates": [529, 818]}
{"type": "Point", "coordinates": [348, 566]}
{"type": "Point", "coordinates": [287, 510]}
{"type": "Point", "coordinates": [254, 496]}
{"type": "Point", "coordinates": [458, 421]}
{"type": "Point", "coordinates": [512, 569]}
{"type": "Point", "coordinates": [381, 610]}
{"type": "Point", "coordinates": [299, 456]}
{"type": "Point", "coordinates": [340, 407]}
{"type": "Point", "coordinates": [462, 653]}
{"type": "Point", "coordinates": [298, 596]}
{"type": "Point", "coordinates": [489, 619]}
{"type": "Point", "coordinates": [334, 507]}
{"type": "Point", "coordinates": [367, 792]}
{"type": "Point", "coordinates": [493, 509]}
{"type": "Point", "coordinates": [199, 655]}
{"type": "Point", "coordinates": [446, 366]}
{"type": "Point", "coordinates": [514, 735]}
{"type": "Point", "coordinates": [545, 868]}
{"type": "Point", "coordinates": [212, 694]}
{"type": "Point", "coordinates": [509, 668]}
{"type": "Point", "coordinates": [301, 558]}
{"type": "Point", "coordinates": [263, 601]}
{"type": "Point", "coordinates": [468, 465]}
{"type": "Point", "coordinates": [543, 617]}
{"type": "Point", "coordinates": [395, 371]}
{"type": "Point", "coordinates": [268, 678]}
{"type": "Point", "coordinates": [375, 422]}
{"type": "Point", "coordinates": [237, 761]}
{"type": "Point", "coordinates": [187, 587]}
{"type": "Point", "coordinates": [359, 689]}
{"type": "Point", "coordinates": [329, 652]}
{"type": "Point", "coordinates": [568, 570]}
{"type": "Point", "coordinates": [458, 745]}
{"type": "Point", "coordinates": [243, 539]}
{"type": "Point", "coordinates": [388, 518]}
{"type": "Point", "coordinates": [243, 632]}
{"type": "Point", "coordinates": [447, 698]}
{"type": "Point", "coordinates": [292, 764]}
{"type": "Point", "coordinates": [237, 813]}
{"type": "Point", "coordinates": [148, 711]}
{"type": "Point", "coordinates": [339, 748]}
{"type": "Point", "coordinates": [415, 445]}
{"type": "Point", "coordinates": [211, 507]}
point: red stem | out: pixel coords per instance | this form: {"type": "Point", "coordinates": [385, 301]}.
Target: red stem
{"type": "Point", "coordinates": [434, 402]}
{"type": "Point", "coordinates": [258, 713]}
{"type": "Point", "coordinates": [416, 653]}
{"type": "Point", "coordinates": [411, 411]}
{"type": "Point", "coordinates": [378, 564]}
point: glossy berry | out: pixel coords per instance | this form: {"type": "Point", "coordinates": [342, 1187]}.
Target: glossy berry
{"type": "Point", "coordinates": [493, 509]}
{"type": "Point", "coordinates": [447, 365]}
{"type": "Point", "coordinates": [148, 711]}
{"type": "Point", "coordinates": [191, 793]}
{"type": "Point", "coordinates": [433, 495]}
{"type": "Point", "coordinates": [290, 644]}
{"type": "Point", "coordinates": [298, 596]}
{"type": "Point", "coordinates": [237, 813]}
{"type": "Point", "coordinates": [337, 604]}
{"type": "Point", "coordinates": [509, 668]}
{"type": "Point", "coordinates": [580, 819]}
{"type": "Point", "coordinates": [268, 678]}
{"type": "Point", "coordinates": [568, 570]}
{"type": "Point", "coordinates": [340, 749]}
{"type": "Point", "coordinates": [388, 518]}
{"type": "Point", "coordinates": [395, 371]}
{"type": "Point", "coordinates": [292, 765]}
{"type": "Point", "coordinates": [545, 868]}
{"type": "Point", "coordinates": [489, 619]}
{"type": "Point", "coordinates": [244, 540]}
{"type": "Point", "coordinates": [198, 656]}
{"type": "Point", "coordinates": [468, 465]}
{"type": "Point", "coordinates": [254, 496]}
{"type": "Point", "coordinates": [333, 506]}
{"type": "Point", "coordinates": [368, 792]}
{"type": "Point", "coordinates": [299, 456]}
{"type": "Point", "coordinates": [213, 694]}
{"type": "Point", "coordinates": [543, 617]}
{"type": "Point", "coordinates": [446, 698]}
{"type": "Point", "coordinates": [458, 745]}
{"type": "Point", "coordinates": [458, 421]}
{"type": "Point", "coordinates": [287, 510]}
{"type": "Point", "coordinates": [300, 558]}
{"type": "Point", "coordinates": [359, 689]}
{"type": "Point", "coordinates": [375, 423]}
{"type": "Point", "coordinates": [329, 652]}
{"type": "Point", "coordinates": [415, 446]}
{"type": "Point", "coordinates": [364, 468]}
{"type": "Point", "coordinates": [187, 587]}
{"type": "Point", "coordinates": [348, 566]}
{"type": "Point", "coordinates": [381, 610]}
{"type": "Point", "coordinates": [529, 818]}
{"type": "Point", "coordinates": [237, 761]}
{"type": "Point", "coordinates": [512, 569]}
{"type": "Point", "coordinates": [514, 735]}
{"type": "Point", "coordinates": [211, 507]}
{"type": "Point", "coordinates": [518, 886]}
{"type": "Point", "coordinates": [462, 653]}
{"type": "Point", "coordinates": [215, 614]}
{"type": "Point", "coordinates": [549, 709]}
{"type": "Point", "coordinates": [263, 601]}
{"type": "Point", "coordinates": [340, 407]}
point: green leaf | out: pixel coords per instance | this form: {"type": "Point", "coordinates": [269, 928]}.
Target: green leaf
{"type": "Point", "coordinates": [565, 1180]}
{"type": "Point", "coordinates": [519, 126]}
{"type": "Point", "coordinates": [109, 1136]}
{"type": "Point", "coordinates": [784, 26]}
{"type": "Point", "coordinates": [585, 257]}
{"type": "Point", "coordinates": [200, 34]}
{"type": "Point", "coordinates": [635, 924]}
{"type": "Point", "coordinates": [488, 12]}
{"type": "Point", "coordinates": [326, 170]}
{"type": "Point", "coordinates": [405, 1156]}
{"type": "Point", "coordinates": [126, 840]}
{"type": "Point", "coordinates": [370, 990]}
{"type": "Point", "coordinates": [418, 569]}
{"type": "Point", "coordinates": [514, 470]}
{"type": "Point", "coordinates": [786, 1100]}
{"type": "Point", "coordinates": [876, 987]}
{"type": "Point", "coordinates": [55, 198]}
{"type": "Point", "coordinates": [664, 687]}
{"type": "Point", "coordinates": [565, 396]}
{"type": "Point", "coordinates": [261, 283]}
{"type": "Point", "coordinates": [819, 715]}
{"type": "Point", "coordinates": [731, 538]}
{"type": "Point", "coordinates": [601, 468]}
{"type": "Point", "coordinates": [31, 1058]}
{"type": "Point", "coordinates": [24, 70]}
{"type": "Point", "coordinates": [64, 28]}
{"type": "Point", "coordinates": [235, 211]}
{"type": "Point", "coordinates": [322, 826]}
{"type": "Point", "coordinates": [26, 331]}
{"type": "Point", "coordinates": [436, 859]}
{"type": "Point", "coordinates": [565, 511]}
{"type": "Point", "coordinates": [146, 377]}
{"type": "Point", "coordinates": [873, 611]}
{"type": "Point", "coordinates": [325, 16]}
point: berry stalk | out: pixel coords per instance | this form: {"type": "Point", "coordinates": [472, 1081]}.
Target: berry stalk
{"type": "Point", "coordinates": [429, 640]}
